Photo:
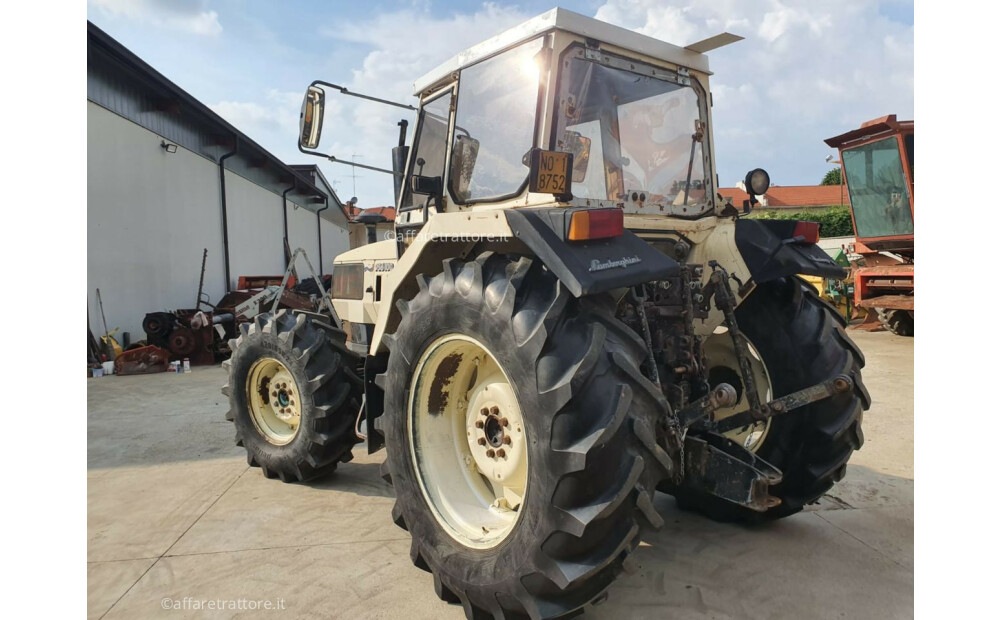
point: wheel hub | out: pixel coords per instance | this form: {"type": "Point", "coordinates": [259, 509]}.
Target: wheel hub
{"type": "Point", "coordinates": [496, 432]}
{"type": "Point", "coordinates": [724, 367]}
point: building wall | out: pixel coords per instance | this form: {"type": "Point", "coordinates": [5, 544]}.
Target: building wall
{"type": "Point", "coordinates": [302, 234]}
{"type": "Point", "coordinates": [255, 229]}
{"type": "Point", "coordinates": [151, 213]}
{"type": "Point", "coordinates": [359, 233]}
{"type": "Point", "coordinates": [335, 241]}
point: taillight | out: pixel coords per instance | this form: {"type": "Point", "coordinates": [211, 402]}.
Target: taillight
{"type": "Point", "coordinates": [809, 231]}
{"type": "Point", "coordinates": [596, 224]}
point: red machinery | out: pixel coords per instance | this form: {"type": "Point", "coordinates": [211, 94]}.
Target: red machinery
{"type": "Point", "coordinates": [877, 166]}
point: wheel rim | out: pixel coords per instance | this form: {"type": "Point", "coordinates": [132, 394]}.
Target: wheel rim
{"type": "Point", "coordinates": [275, 406]}
{"type": "Point", "coordinates": [468, 440]}
{"type": "Point", "coordinates": [723, 367]}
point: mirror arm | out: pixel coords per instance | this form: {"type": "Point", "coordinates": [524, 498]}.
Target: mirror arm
{"type": "Point", "coordinates": [344, 91]}
{"type": "Point", "coordinates": [351, 163]}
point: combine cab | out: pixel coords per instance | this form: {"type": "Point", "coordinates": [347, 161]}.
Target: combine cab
{"type": "Point", "coordinates": [877, 161]}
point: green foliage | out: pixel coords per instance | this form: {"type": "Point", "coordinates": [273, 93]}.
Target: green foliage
{"type": "Point", "coordinates": [834, 221]}
{"type": "Point", "coordinates": [831, 178]}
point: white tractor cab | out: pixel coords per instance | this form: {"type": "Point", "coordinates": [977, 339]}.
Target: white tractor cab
{"type": "Point", "coordinates": [569, 319]}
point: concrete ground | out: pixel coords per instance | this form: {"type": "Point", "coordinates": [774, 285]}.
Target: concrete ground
{"type": "Point", "coordinates": [174, 512]}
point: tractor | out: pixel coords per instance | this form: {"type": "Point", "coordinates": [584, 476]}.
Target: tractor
{"type": "Point", "coordinates": [877, 161]}
{"type": "Point", "coordinates": [568, 320]}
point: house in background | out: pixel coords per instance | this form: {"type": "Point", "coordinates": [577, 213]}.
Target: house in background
{"type": "Point", "coordinates": [792, 197]}
{"type": "Point", "coordinates": [370, 225]}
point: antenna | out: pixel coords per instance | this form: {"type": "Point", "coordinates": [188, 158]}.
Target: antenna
{"type": "Point", "coordinates": [354, 177]}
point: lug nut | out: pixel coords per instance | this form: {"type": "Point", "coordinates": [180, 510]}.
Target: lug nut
{"type": "Point", "coordinates": [484, 411]}
{"type": "Point", "coordinates": [506, 439]}
{"type": "Point", "coordinates": [503, 421]}
{"type": "Point", "coordinates": [501, 453]}
{"type": "Point", "coordinates": [479, 423]}
{"type": "Point", "coordinates": [495, 410]}
{"type": "Point", "coordinates": [490, 453]}
{"type": "Point", "coordinates": [481, 441]}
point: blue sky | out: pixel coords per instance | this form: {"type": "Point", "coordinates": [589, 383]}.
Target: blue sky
{"type": "Point", "coordinates": [808, 69]}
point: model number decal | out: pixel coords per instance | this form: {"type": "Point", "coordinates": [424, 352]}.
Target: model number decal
{"type": "Point", "coordinates": [381, 267]}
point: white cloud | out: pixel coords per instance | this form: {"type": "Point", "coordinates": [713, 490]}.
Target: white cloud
{"type": "Point", "coordinates": [807, 71]}
{"type": "Point", "coordinates": [184, 15]}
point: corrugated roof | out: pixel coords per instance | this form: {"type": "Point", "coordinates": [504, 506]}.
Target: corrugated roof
{"type": "Point", "coordinates": [794, 196]}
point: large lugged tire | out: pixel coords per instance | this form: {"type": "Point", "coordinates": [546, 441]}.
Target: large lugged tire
{"type": "Point", "coordinates": [589, 420]}
{"type": "Point", "coordinates": [899, 322]}
{"type": "Point", "coordinates": [286, 359]}
{"type": "Point", "coordinates": [802, 341]}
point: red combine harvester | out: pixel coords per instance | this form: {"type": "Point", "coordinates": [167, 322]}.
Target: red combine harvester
{"type": "Point", "coordinates": [877, 165]}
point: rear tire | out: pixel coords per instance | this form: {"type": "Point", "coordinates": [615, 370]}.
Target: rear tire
{"type": "Point", "coordinates": [899, 322]}
{"type": "Point", "coordinates": [322, 387]}
{"type": "Point", "coordinates": [589, 418]}
{"type": "Point", "coordinates": [802, 341]}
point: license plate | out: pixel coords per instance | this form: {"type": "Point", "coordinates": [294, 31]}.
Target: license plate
{"type": "Point", "coordinates": [550, 172]}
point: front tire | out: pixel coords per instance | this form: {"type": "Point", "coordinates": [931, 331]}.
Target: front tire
{"type": "Point", "coordinates": [802, 342]}
{"type": "Point", "coordinates": [293, 396]}
{"type": "Point", "coordinates": [589, 420]}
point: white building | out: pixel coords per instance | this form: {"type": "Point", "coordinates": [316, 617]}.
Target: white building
{"type": "Point", "coordinates": [168, 178]}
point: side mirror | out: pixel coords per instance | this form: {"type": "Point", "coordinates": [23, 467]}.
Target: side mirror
{"type": "Point", "coordinates": [576, 143]}
{"type": "Point", "coordinates": [311, 117]}
{"type": "Point", "coordinates": [463, 162]}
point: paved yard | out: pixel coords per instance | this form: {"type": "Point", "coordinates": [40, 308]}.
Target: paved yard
{"type": "Point", "coordinates": [174, 512]}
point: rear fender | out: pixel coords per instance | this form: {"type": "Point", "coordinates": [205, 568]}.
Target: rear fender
{"type": "Point", "coordinates": [768, 253]}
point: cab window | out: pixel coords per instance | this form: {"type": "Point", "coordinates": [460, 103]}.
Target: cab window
{"type": "Point", "coordinates": [430, 147]}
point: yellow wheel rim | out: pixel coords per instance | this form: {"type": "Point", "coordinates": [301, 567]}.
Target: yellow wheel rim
{"type": "Point", "coordinates": [274, 401]}
{"type": "Point", "coordinates": [468, 441]}
{"type": "Point", "coordinates": [723, 365]}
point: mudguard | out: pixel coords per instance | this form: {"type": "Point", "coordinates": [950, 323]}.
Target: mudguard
{"type": "Point", "coordinates": [767, 250]}
{"type": "Point", "coordinates": [588, 267]}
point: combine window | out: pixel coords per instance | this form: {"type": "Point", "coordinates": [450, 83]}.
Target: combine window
{"type": "Point", "coordinates": [880, 194]}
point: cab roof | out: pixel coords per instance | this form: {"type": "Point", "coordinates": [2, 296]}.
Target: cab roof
{"type": "Point", "coordinates": [568, 21]}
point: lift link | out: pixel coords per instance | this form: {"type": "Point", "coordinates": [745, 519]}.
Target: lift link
{"type": "Point", "coordinates": [821, 391]}
{"type": "Point", "coordinates": [718, 286]}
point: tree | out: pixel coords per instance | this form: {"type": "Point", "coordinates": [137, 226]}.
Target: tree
{"type": "Point", "coordinates": [831, 178]}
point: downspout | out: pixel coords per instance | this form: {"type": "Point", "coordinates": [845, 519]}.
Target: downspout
{"type": "Point", "coordinates": [225, 215]}
{"type": "Point", "coordinates": [319, 232]}
{"type": "Point", "coordinates": [284, 222]}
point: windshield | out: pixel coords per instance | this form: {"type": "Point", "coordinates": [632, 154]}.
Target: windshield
{"type": "Point", "coordinates": [879, 193]}
{"type": "Point", "coordinates": [645, 133]}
